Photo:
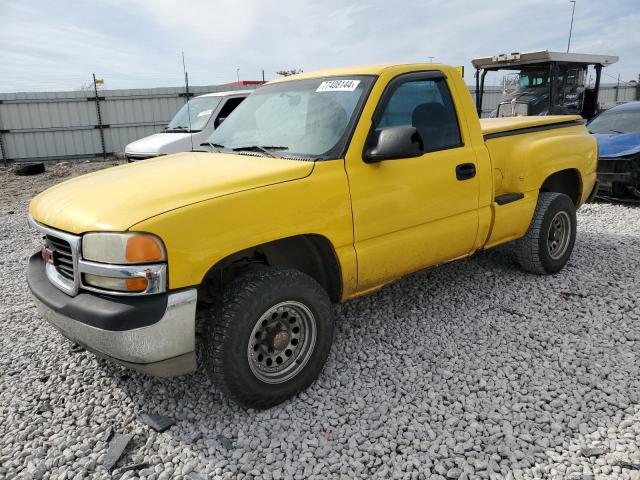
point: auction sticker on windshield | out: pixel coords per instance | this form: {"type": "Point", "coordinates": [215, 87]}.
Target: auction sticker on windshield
{"type": "Point", "coordinates": [338, 86]}
{"type": "Point", "coordinates": [205, 112]}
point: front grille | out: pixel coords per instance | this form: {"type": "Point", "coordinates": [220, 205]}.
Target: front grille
{"type": "Point", "coordinates": [505, 110]}
{"type": "Point", "coordinates": [61, 252]}
{"type": "Point", "coordinates": [513, 109]}
{"type": "Point", "coordinates": [62, 256]}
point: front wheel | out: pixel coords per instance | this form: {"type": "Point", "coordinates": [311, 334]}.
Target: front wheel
{"type": "Point", "coordinates": [548, 243]}
{"type": "Point", "coordinates": [269, 337]}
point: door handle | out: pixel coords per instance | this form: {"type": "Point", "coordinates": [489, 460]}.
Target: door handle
{"type": "Point", "coordinates": [465, 171]}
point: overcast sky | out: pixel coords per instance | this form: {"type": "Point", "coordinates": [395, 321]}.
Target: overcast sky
{"type": "Point", "coordinates": [57, 45]}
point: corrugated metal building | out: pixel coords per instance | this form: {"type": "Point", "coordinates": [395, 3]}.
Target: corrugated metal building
{"type": "Point", "coordinates": [64, 125]}
{"type": "Point", "coordinates": [50, 126]}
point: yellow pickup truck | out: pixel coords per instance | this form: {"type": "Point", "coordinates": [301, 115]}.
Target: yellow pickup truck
{"type": "Point", "coordinates": [317, 189]}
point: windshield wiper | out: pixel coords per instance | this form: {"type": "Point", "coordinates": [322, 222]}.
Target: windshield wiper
{"type": "Point", "coordinates": [214, 146]}
{"type": "Point", "coordinates": [615, 131]}
{"type": "Point", "coordinates": [261, 148]}
{"type": "Point", "coordinates": [177, 129]}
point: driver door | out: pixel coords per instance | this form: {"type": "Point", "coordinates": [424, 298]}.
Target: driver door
{"type": "Point", "coordinates": [412, 213]}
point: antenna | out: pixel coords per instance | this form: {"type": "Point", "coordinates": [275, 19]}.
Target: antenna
{"type": "Point", "coordinates": [573, 11]}
{"type": "Point", "coordinates": [186, 84]}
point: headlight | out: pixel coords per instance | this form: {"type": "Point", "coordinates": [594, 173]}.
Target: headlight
{"type": "Point", "coordinates": [123, 248]}
{"type": "Point", "coordinates": [131, 263]}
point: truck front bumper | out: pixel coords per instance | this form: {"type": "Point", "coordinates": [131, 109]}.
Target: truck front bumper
{"type": "Point", "coordinates": [154, 334]}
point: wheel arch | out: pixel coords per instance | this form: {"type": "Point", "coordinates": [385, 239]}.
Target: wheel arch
{"type": "Point", "coordinates": [568, 181]}
{"type": "Point", "coordinates": [312, 254]}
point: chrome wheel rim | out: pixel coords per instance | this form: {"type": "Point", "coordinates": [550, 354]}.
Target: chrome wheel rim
{"type": "Point", "coordinates": [559, 235]}
{"type": "Point", "coordinates": [281, 342]}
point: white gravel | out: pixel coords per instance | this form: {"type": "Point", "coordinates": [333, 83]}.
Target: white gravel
{"type": "Point", "coordinates": [472, 370]}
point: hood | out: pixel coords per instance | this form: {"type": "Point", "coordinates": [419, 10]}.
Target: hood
{"type": "Point", "coordinates": [159, 143]}
{"type": "Point", "coordinates": [617, 144]}
{"type": "Point", "coordinates": [117, 198]}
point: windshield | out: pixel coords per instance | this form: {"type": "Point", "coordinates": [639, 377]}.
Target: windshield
{"type": "Point", "coordinates": [533, 79]}
{"type": "Point", "coordinates": [297, 118]}
{"type": "Point", "coordinates": [200, 109]}
{"type": "Point", "coordinates": [616, 121]}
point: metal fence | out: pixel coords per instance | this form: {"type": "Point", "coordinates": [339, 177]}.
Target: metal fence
{"type": "Point", "coordinates": [48, 126]}
{"type": "Point", "coordinates": [612, 94]}
{"type": "Point", "coordinates": [490, 99]}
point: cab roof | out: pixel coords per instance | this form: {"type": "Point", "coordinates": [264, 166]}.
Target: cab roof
{"type": "Point", "coordinates": [226, 93]}
{"type": "Point", "coordinates": [360, 70]}
{"type": "Point", "coordinates": [517, 59]}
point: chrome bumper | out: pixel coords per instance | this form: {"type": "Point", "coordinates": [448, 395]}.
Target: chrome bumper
{"type": "Point", "coordinates": [166, 348]}
{"type": "Point", "coordinates": [163, 344]}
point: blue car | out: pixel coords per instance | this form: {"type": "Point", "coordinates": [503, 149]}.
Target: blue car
{"type": "Point", "coordinates": [618, 133]}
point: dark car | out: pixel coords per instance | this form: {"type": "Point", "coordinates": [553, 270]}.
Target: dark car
{"type": "Point", "coordinates": [618, 133]}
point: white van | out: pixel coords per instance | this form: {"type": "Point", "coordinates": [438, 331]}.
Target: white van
{"type": "Point", "coordinates": [206, 112]}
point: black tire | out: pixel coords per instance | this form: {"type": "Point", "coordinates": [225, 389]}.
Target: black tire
{"type": "Point", "coordinates": [232, 325]}
{"type": "Point", "coordinates": [535, 250]}
{"type": "Point", "coordinates": [24, 169]}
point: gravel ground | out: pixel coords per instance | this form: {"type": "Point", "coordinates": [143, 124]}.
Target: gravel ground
{"type": "Point", "coordinates": [471, 370]}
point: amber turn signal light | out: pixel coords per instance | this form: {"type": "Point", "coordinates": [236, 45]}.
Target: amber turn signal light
{"type": "Point", "coordinates": [142, 249]}
{"type": "Point", "coordinates": [137, 284]}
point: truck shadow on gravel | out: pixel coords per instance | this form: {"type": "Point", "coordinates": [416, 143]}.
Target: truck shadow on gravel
{"type": "Point", "coordinates": [475, 365]}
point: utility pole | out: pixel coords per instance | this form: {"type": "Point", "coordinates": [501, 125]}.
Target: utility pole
{"type": "Point", "coordinates": [573, 11]}
{"type": "Point", "coordinates": [2, 150]}
{"type": "Point", "coordinates": [618, 89]}
{"type": "Point", "coordinates": [5, 160]}
{"type": "Point", "coordinates": [262, 76]}
{"type": "Point", "coordinates": [431, 59]}
{"type": "Point", "coordinates": [100, 126]}
{"type": "Point", "coordinates": [238, 75]}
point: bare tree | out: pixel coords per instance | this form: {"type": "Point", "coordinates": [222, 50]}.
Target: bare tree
{"type": "Point", "coordinates": [287, 73]}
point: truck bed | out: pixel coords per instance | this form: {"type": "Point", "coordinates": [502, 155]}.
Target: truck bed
{"type": "Point", "coordinates": [492, 126]}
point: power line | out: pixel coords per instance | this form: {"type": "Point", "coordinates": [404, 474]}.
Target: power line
{"type": "Point", "coordinates": [621, 81]}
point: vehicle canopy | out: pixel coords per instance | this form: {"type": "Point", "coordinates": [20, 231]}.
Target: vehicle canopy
{"type": "Point", "coordinates": [545, 82]}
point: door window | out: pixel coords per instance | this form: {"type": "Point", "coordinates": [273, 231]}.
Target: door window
{"type": "Point", "coordinates": [226, 109]}
{"type": "Point", "coordinates": [426, 105]}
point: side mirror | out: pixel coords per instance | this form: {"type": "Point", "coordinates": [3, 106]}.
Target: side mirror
{"type": "Point", "coordinates": [392, 143]}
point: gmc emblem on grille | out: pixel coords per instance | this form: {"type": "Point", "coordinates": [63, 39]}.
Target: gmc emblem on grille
{"type": "Point", "coordinates": [47, 255]}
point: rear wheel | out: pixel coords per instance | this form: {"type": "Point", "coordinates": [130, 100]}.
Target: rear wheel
{"type": "Point", "coordinates": [269, 337]}
{"type": "Point", "coordinates": [548, 243]}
